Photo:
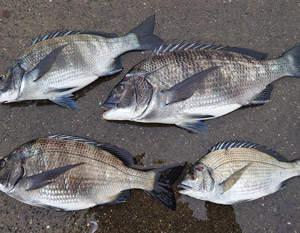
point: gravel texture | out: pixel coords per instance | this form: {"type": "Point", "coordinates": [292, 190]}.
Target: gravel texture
{"type": "Point", "coordinates": [267, 26]}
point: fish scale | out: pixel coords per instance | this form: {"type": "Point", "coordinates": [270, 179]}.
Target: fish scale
{"type": "Point", "coordinates": [81, 186]}
{"type": "Point", "coordinates": [238, 172]}
{"type": "Point", "coordinates": [72, 173]}
{"type": "Point", "coordinates": [60, 63]}
{"type": "Point", "coordinates": [198, 83]}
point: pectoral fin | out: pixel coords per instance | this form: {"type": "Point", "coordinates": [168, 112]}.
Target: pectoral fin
{"type": "Point", "coordinates": [44, 178]}
{"type": "Point", "coordinates": [185, 89]}
{"type": "Point", "coordinates": [231, 180]}
{"type": "Point", "coordinates": [45, 64]}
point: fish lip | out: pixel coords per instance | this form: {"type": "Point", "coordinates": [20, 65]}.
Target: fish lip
{"type": "Point", "coordinates": [107, 106]}
{"type": "Point", "coordinates": [183, 186]}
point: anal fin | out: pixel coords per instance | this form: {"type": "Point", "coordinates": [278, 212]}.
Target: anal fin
{"type": "Point", "coordinates": [196, 127]}
{"type": "Point", "coordinates": [65, 101]}
{"type": "Point", "coordinates": [282, 185]}
{"type": "Point", "coordinates": [117, 67]}
{"type": "Point", "coordinates": [121, 198]}
{"type": "Point", "coordinates": [263, 97]}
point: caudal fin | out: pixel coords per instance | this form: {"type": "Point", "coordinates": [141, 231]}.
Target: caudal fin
{"type": "Point", "coordinates": [296, 164]}
{"type": "Point", "coordinates": [144, 32]}
{"type": "Point", "coordinates": [293, 55]}
{"type": "Point", "coordinates": [165, 177]}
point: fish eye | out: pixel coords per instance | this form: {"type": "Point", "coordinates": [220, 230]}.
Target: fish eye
{"type": "Point", "coordinates": [192, 176]}
{"type": "Point", "coordinates": [119, 89]}
{"type": "Point", "coordinates": [2, 76]}
{"type": "Point", "coordinates": [2, 163]}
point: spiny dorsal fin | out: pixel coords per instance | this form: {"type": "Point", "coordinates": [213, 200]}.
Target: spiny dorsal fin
{"type": "Point", "coordinates": [207, 46]}
{"type": "Point", "coordinates": [244, 144]}
{"type": "Point", "coordinates": [121, 154]}
{"type": "Point", "coordinates": [185, 46]}
{"type": "Point", "coordinates": [60, 33]}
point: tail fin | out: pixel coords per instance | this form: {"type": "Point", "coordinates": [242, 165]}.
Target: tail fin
{"type": "Point", "coordinates": [144, 32]}
{"type": "Point", "coordinates": [296, 164]}
{"type": "Point", "coordinates": [293, 55]}
{"type": "Point", "coordinates": [164, 178]}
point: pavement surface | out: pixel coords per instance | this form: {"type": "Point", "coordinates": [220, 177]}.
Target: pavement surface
{"type": "Point", "coordinates": [268, 26]}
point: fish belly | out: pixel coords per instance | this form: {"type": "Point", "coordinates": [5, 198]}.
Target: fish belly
{"type": "Point", "coordinates": [193, 114]}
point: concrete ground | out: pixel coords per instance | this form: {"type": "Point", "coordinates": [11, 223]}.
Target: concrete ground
{"type": "Point", "coordinates": [268, 26]}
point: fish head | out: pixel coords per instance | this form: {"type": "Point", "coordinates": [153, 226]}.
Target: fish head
{"type": "Point", "coordinates": [10, 83]}
{"type": "Point", "coordinates": [129, 98]}
{"type": "Point", "coordinates": [11, 171]}
{"type": "Point", "coordinates": [197, 180]}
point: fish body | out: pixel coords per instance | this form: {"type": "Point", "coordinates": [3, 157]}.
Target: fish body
{"type": "Point", "coordinates": [235, 172]}
{"type": "Point", "coordinates": [185, 84]}
{"type": "Point", "coordinates": [60, 63]}
{"type": "Point", "coordinates": [71, 173]}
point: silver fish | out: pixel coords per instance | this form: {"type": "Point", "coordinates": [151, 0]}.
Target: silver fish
{"type": "Point", "coordinates": [184, 84]}
{"type": "Point", "coordinates": [235, 172]}
{"type": "Point", "coordinates": [60, 63]}
{"type": "Point", "coordinates": [72, 173]}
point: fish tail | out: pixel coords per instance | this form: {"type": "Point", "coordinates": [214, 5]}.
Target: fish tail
{"type": "Point", "coordinates": [144, 33]}
{"type": "Point", "coordinates": [296, 164]}
{"type": "Point", "coordinates": [164, 179]}
{"type": "Point", "coordinates": [293, 56]}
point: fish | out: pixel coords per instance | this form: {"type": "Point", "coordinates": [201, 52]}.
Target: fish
{"type": "Point", "coordinates": [187, 83]}
{"type": "Point", "coordinates": [57, 64]}
{"type": "Point", "coordinates": [234, 172]}
{"type": "Point", "coordinates": [70, 173]}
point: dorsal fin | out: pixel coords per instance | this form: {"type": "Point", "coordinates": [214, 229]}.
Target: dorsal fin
{"type": "Point", "coordinates": [244, 144]}
{"type": "Point", "coordinates": [185, 46]}
{"type": "Point", "coordinates": [121, 154]}
{"type": "Point", "coordinates": [198, 45]}
{"type": "Point", "coordinates": [60, 33]}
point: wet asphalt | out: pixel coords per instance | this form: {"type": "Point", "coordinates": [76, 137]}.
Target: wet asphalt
{"type": "Point", "coordinates": [268, 26]}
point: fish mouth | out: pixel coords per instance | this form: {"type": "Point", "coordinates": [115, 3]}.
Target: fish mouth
{"type": "Point", "coordinates": [183, 186]}
{"type": "Point", "coordinates": [107, 106]}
